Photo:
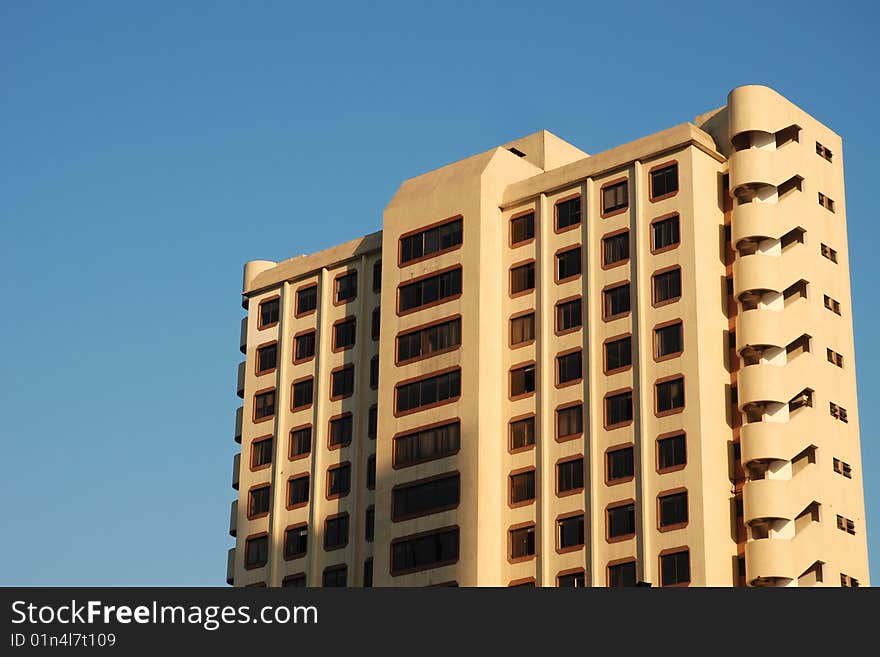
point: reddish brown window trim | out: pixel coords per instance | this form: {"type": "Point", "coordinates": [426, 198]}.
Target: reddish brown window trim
{"type": "Point", "coordinates": [622, 537]}
{"type": "Point", "coordinates": [519, 345]}
{"type": "Point", "coordinates": [510, 475]}
{"type": "Point", "coordinates": [666, 302]}
{"type": "Point", "coordinates": [302, 379]}
{"type": "Point", "coordinates": [566, 459]}
{"type": "Point", "coordinates": [510, 423]}
{"type": "Point", "coordinates": [260, 326]}
{"type": "Point", "coordinates": [432, 304]}
{"type": "Point", "coordinates": [614, 233]}
{"type": "Point", "coordinates": [615, 338]}
{"type": "Point", "coordinates": [293, 576]}
{"type": "Point", "coordinates": [666, 379]}
{"type": "Point", "coordinates": [560, 251]}
{"type": "Point", "coordinates": [612, 183]}
{"type": "Point", "coordinates": [302, 288]}
{"type": "Point", "coordinates": [510, 293]}
{"type": "Point", "coordinates": [417, 482]}
{"type": "Point", "coordinates": [571, 571]}
{"type": "Point", "coordinates": [330, 421]}
{"type": "Point", "coordinates": [657, 167]}
{"type": "Point", "coordinates": [618, 562]}
{"type": "Point", "coordinates": [513, 528]}
{"type": "Point", "coordinates": [346, 366]}
{"type": "Point", "coordinates": [516, 245]}
{"type": "Point", "coordinates": [663, 436]}
{"type": "Point", "coordinates": [564, 199]}
{"type": "Point", "coordinates": [298, 555]}
{"type": "Point", "coordinates": [621, 283]}
{"type": "Point", "coordinates": [337, 466]}
{"type": "Point", "coordinates": [518, 366]}
{"type": "Point", "coordinates": [573, 548]}
{"type": "Point", "coordinates": [254, 417]}
{"type": "Point", "coordinates": [421, 377]}
{"type": "Point", "coordinates": [419, 429]}
{"type": "Point", "coordinates": [657, 220]}
{"type": "Point", "coordinates": [422, 229]}
{"type": "Point", "coordinates": [299, 335]}
{"type": "Point", "coordinates": [667, 552]}
{"type": "Point", "coordinates": [247, 542]}
{"type": "Point", "coordinates": [300, 475]}
{"type": "Point", "coordinates": [522, 581]}
{"type": "Point", "coordinates": [338, 322]}
{"type": "Point", "coordinates": [290, 457]}
{"type": "Point", "coordinates": [334, 516]}
{"type": "Point", "coordinates": [573, 382]}
{"type": "Point", "coordinates": [257, 371]}
{"type": "Point", "coordinates": [422, 327]}
{"type": "Point", "coordinates": [264, 484]}
{"type": "Point", "coordinates": [409, 537]}
{"type": "Point", "coordinates": [655, 345]}
{"type": "Point", "coordinates": [612, 393]}
{"type": "Point", "coordinates": [678, 525]}
{"type": "Point", "coordinates": [614, 448]}
{"type": "Point", "coordinates": [260, 439]}
{"type": "Point", "coordinates": [563, 407]}
{"type": "Point", "coordinates": [560, 302]}
{"type": "Point", "coordinates": [333, 289]}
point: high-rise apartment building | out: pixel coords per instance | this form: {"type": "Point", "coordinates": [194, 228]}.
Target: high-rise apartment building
{"type": "Point", "coordinates": [557, 369]}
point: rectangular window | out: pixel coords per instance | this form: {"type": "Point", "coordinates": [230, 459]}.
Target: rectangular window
{"type": "Point", "coordinates": [826, 202]}
{"type": "Point", "coordinates": [832, 305]}
{"type": "Point", "coordinates": [300, 442]}
{"type": "Point", "coordinates": [432, 241]}
{"type": "Point", "coordinates": [346, 287]}
{"type": "Point", "coordinates": [621, 520]}
{"type": "Point", "coordinates": [261, 452]}
{"type": "Point", "coordinates": [618, 408]}
{"type": "Point", "coordinates": [615, 197]}
{"type": "Point", "coordinates": [427, 445]}
{"type": "Point", "coordinates": [294, 581]}
{"type": "Point", "coordinates": [376, 324]}
{"type": "Point", "coordinates": [304, 346]}
{"type": "Point", "coordinates": [264, 404]}
{"type": "Point", "coordinates": [670, 395]}
{"type": "Point", "coordinates": [429, 550]}
{"type": "Point", "coordinates": [303, 393]}
{"type": "Point", "coordinates": [267, 358]}
{"type": "Point", "coordinates": [306, 299]}
{"type": "Point", "coordinates": [619, 464]}
{"type": "Point", "coordinates": [834, 357]}
{"type": "Point", "coordinates": [823, 151]}
{"type": "Point", "coordinates": [373, 422]}
{"type": "Point", "coordinates": [568, 213]}
{"type": "Point", "coordinates": [421, 498]}
{"type": "Point", "coordinates": [339, 480]}
{"type": "Point", "coordinates": [377, 276]}
{"type": "Point", "coordinates": [256, 552]}
{"type": "Point", "coordinates": [522, 228]}
{"type": "Point", "coordinates": [828, 252]}
{"type": "Point", "coordinates": [298, 491]}
{"type": "Point", "coordinates": [838, 412]}
{"type": "Point", "coordinates": [522, 542]}
{"type": "Point", "coordinates": [370, 524]}
{"type": "Point", "coordinates": [371, 472]}
{"type": "Point", "coordinates": [842, 468]}
{"type": "Point", "coordinates": [522, 329]}
{"type": "Point", "coordinates": [673, 509]}
{"type": "Point", "coordinates": [268, 311]}
{"type": "Point", "coordinates": [615, 249]}
{"type": "Point", "coordinates": [848, 582]}
{"type": "Point", "coordinates": [675, 568]}
{"type": "Point", "coordinates": [368, 573]}
{"type": "Point", "coordinates": [669, 340]}
{"type": "Point", "coordinates": [428, 392]}
{"type": "Point", "coordinates": [570, 532]}
{"type": "Point", "coordinates": [430, 290]}
{"type": "Point", "coordinates": [522, 380]}
{"type": "Point", "coordinates": [344, 334]}
{"type": "Point", "coordinates": [336, 532]}
{"type": "Point", "coordinates": [341, 431]}
{"type": "Point", "coordinates": [845, 524]}
{"type": "Point", "coordinates": [618, 354]}
{"type": "Point", "coordinates": [424, 342]}
{"type": "Point", "coordinates": [667, 286]}
{"type": "Point", "coordinates": [671, 452]}
{"type": "Point", "coordinates": [622, 574]}
{"type": "Point", "coordinates": [259, 500]}
{"type": "Point", "coordinates": [522, 433]}
{"type": "Point", "coordinates": [522, 487]}
{"type": "Point", "coordinates": [569, 421]}
{"type": "Point", "coordinates": [569, 368]}
{"type": "Point", "coordinates": [570, 475]}
{"type": "Point", "coordinates": [568, 264]}
{"type": "Point", "coordinates": [616, 301]}
{"type": "Point", "coordinates": [296, 542]}
{"type": "Point", "coordinates": [664, 182]}
{"type": "Point", "coordinates": [572, 580]}
{"type": "Point", "coordinates": [522, 278]}
{"type": "Point", "coordinates": [665, 233]}
{"type": "Point", "coordinates": [342, 382]}
{"type": "Point", "coordinates": [569, 315]}
{"type": "Point", "coordinates": [337, 576]}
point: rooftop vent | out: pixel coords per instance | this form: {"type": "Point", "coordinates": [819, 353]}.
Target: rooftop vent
{"type": "Point", "coordinates": [517, 152]}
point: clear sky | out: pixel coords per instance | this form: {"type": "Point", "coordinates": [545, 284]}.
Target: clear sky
{"type": "Point", "coordinates": [147, 150]}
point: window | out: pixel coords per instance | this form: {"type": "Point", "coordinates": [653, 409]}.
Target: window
{"type": "Point", "coordinates": [669, 341]}
{"type": "Point", "coordinates": [616, 301]}
{"type": "Point", "coordinates": [522, 228]}
{"type": "Point", "coordinates": [376, 324]}
{"type": "Point", "coordinates": [340, 431]}
{"type": "Point", "coordinates": [267, 357]}
{"type": "Point", "coordinates": [430, 290]}
{"type": "Point", "coordinates": [432, 241]}
{"type": "Point", "coordinates": [429, 391]}
{"type": "Point", "coordinates": [302, 393]}
{"type": "Point", "coordinates": [374, 372]}
{"type": "Point", "coordinates": [371, 472]}
{"type": "Point", "coordinates": [845, 524]}
{"type": "Point", "coordinates": [826, 202]}
{"type": "Point", "coordinates": [259, 499]}
{"type": "Point", "coordinates": [569, 368]}
{"type": "Point", "coordinates": [570, 532]}
{"type": "Point", "coordinates": [618, 354]}
{"type": "Point", "coordinates": [675, 568]}
{"type": "Point", "coordinates": [306, 299]}
{"type": "Point", "coordinates": [571, 580]}
{"type": "Point", "coordinates": [843, 468]}
{"type": "Point", "coordinates": [304, 347]}
{"type": "Point", "coordinates": [373, 422]}
{"type": "Point", "coordinates": [834, 357]}
{"type": "Point", "coordinates": [427, 341]}
{"type": "Point", "coordinates": [522, 488]}
{"type": "Point", "coordinates": [422, 551]}
{"type": "Point", "coordinates": [622, 574]}
{"type": "Point", "coordinates": [832, 305]}
{"type": "Point", "coordinates": [670, 395]}
{"type": "Point", "coordinates": [568, 264]}
{"type": "Point", "coordinates": [377, 276]}
{"type": "Point", "coordinates": [823, 151]}
{"type": "Point", "coordinates": [342, 382]}
{"type": "Point", "coordinates": [296, 541]}
{"type": "Point", "coordinates": [370, 524]}
{"type": "Point", "coordinates": [522, 380]}
{"type": "Point", "coordinates": [671, 452]}
{"type": "Point", "coordinates": [427, 444]}
{"type": "Point", "coordinates": [261, 453]}
{"type": "Point", "coordinates": [838, 412]}
{"type": "Point", "coordinates": [569, 315]}
{"type": "Point", "coordinates": [522, 329]}
{"type": "Point", "coordinates": [848, 582]}
{"type": "Point", "coordinates": [522, 278]}
{"type": "Point", "coordinates": [424, 497]}
{"type": "Point", "coordinates": [344, 334]}
{"type": "Point", "coordinates": [568, 213]}
{"type": "Point", "coordinates": [336, 532]}
{"type": "Point", "coordinates": [346, 287]}
{"type": "Point", "coordinates": [569, 421]}
{"type": "Point", "coordinates": [828, 252]}
{"type": "Point", "coordinates": [615, 197]}
{"type": "Point", "coordinates": [264, 404]}
{"type": "Point", "coordinates": [338, 480]}
{"type": "Point", "coordinates": [619, 464]}
{"type": "Point", "coordinates": [621, 520]}
{"type": "Point", "coordinates": [256, 551]}
{"type": "Point", "coordinates": [268, 311]}
{"type": "Point", "coordinates": [300, 442]}
{"type": "Point", "coordinates": [294, 581]}
{"type": "Point", "coordinates": [570, 475]}
{"type": "Point", "coordinates": [297, 491]}
{"type": "Point", "coordinates": [618, 409]}
{"type": "Point", "coordinates": [673, 510]}
{"type": "Point", "coordinates": [335, 577]}
{"type": "Point", "coordinates": [368, 573]}
{"type": "Point", "coordinates": [522, 433]}
{"type": "Point", "coordinates": [615, 249]}
{"type": "Point", "coordinates": [664, 182]}
{"type": "Point", "coordinates": [667, 286]}
{"type": "Point", "coordinates": [665, 234]}
{"type": "Point", "coordinates": [522, 542]}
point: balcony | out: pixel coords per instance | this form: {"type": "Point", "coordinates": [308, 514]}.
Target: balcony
{"type": "Point", "coordinates": [762, 441]}
{"type": "Point", "coordinates": [769, 558]}
{"type": "Point", "coordinates": [752, 166]}
{"type": "Point", "coordinates": [239, 389]}
{"type": "Point", "coordinates": [239, 421]}
{"type": "Point", "coordinates": [760, 383]}
{"type": "Point", "coordinates": [755, 219]}
{"type": "Point", "coordinates": [233, 518]}
{"type": "Point", "coordinates": [230, 566]}
{"type": "Point", "coordinates": [236, 466]}
{"type": "Point", "coordinates": [242, 341]}
{"type": "Point", "coordinates": [766, 498]}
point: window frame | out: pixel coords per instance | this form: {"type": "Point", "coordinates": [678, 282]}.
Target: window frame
{"type": "Point", "coordinates": [656, 346]}
{"type": "Point", "coordinates": [521, 215]}
{"type": "Point", "coordinates": [296, 555]}
{"type": "Point", "coordinates": [618, 505]}
{"type": "Point", "coordinates": [518, 472]}
{"type": "Point", "coordinates": [451, 474]}
{"type": "Point", "coordinates": [520, 315]}
{"type": "Point", "coordinates": [419, 379]}
{"type": "Point", "coordinates": [302, 334]}
{"type": "Point", "coordinates": [662, 381]}
{"type": "Point", "coordinates": [424, 229]}
{"type": "Point", "coordinates": [659, 220]}
{"type": "Point", "coordinates": [421, 279]}
{"type": "Point", "coordinates": [604, 214]}
{"type": "Point", "coordinates": [519, 265]}
{"type": "Point", "coordinates": [327, 520]}
{"type": "Point", "coordinates": [396, 465]}
{"type": "Point", "coordinates": [558, 366]}
{"type": "Point", "coordinates": [615, 393]}
{"type": "Point", "coordinates": [566, 301]}
{"type": "Point", "coordinates": [613, 286]}
{"type": "Point", "coordinates": [339, 417]}
{"type": "Point", "coordinates": [668, 436]}
{"type": "Point", "coordinates": [515, 368]}
{"type": "Point", "coordinates": [260, 325]}
{"type": "Point", "coordinates": [669, 552]}
{"type": "Point", "coordinates": [247, 549]}
{"type": "Point", "coordinates": [349, 319]}
{"type": "Point", "coordinates": [664, 165]}
{"type": "Point", "coordinates": [267, 438]}
{"type": "Point", "coordinates": [257, 350]}
{"type": "Point", "coordinates": [516, 528]}
{"type": "Point", "coordinates": [411, 537]}
{"type": "Point", "coordinates": [298, 505]}
{"type": "Point", "coordinates": [673, 492]}
{"type": "Point", "coordinates": [566, 516]}
{"type": "Point", "coordinates": [565, 407]}
{"type": "Point", "coordinates": [567, 199]}
{"type": "Point", "coordinates": [562, 461]}
{"type": "Point", "coordinates": [293, 384]}
{"type": "Point", "coordinates": [562, 251]}
{"type": "Point", "coordinates": [303, 288]}
{"type": "Point", "coordinates": [613, 339]}
{"type": "Point", "coordinates": [424, 327]}
{"type": "Point", "coordinates": [607, 463]}
{"type": "Point", "coordinates": [617, 263]}
{"type": "Point", "coordinates": [518, 419]}
{"type": "Point", "coordinates": [264, 418]}
{"type": "Point", "coordinates": [297, 457]}
{"type": "Point", "coordinates": [255, 487]}
{"type": "Point", "coordinates": [338, 466]}
{"type": "Point", "coordinates": [336, 279]}
{"type": "Point", "coordinates": [336, 370]}
{"type": "Point", "coordinates": [663, 272]}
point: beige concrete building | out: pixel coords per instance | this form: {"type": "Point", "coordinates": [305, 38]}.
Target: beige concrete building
{"type": "Point", "coordinates": [558, 369]}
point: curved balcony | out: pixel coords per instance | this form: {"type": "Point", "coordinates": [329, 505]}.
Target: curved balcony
{"type": "Point", "coordinates": [769, 558]}
{"type": "Point", "coordinates": [758, 272]}
{"type": "Point", "coordinates": [761, 441]}
{"type": "Point", "coordinates": [773, 327]}
{"type": "Point", "coordinates": [754, 219]}
{"type": "Point", "coordinates": [239, 388]}
{"type": "Point", "coordinates": [236, 467]}
{"type": "Point", "coordinates": [756, 107]}
{"type": "Point", "coordinates": [239, 421]}
{"type": "Point", "coordinates": [752, 166]}
{"type": "Point", "coordinates": [233, 518]}
{"type": "Point", "coordinates": [242, 340]}
{"type": "Point", "coordinates": [230, 566]}
{"type": "Point", "coordinates": [766, 498]}
{"type": "Point", "coordinates": [762, 383]}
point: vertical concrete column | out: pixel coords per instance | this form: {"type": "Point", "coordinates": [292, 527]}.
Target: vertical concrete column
{"type": "Point", "coordinates": [592, 368]}
{"type": "Point", "coordinates": [360, 356]}
{"type": "Point", "coordinates": [545, 371]}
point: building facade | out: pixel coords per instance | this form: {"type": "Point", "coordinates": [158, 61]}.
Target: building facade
{"type": "Point", "coordinates": [557, 369]}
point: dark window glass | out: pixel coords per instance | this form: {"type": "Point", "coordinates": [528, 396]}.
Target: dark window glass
{"type": "Point", "coordinates": [344, 334]}
{"type": "Point", "coordinates": [339, 481]}
{"type": "Point", "coordinates": [429, 391]}
{"type": "Point", "coordinates": [341, 431]}
{"type": "Point", "coordinates": [670, 395]}
{"type": "Point", "coordinates": [302, 393]}
{"type": "Point", "coordinates": [296, 542]}
{"type": "Point", "coordinates": [569, 367]}
{"type": "Point", "coordinates": [256, 551]}
{"type": "Point", "coordinates": [434, 240]}
{"type": "Point", "coordinates": [615, 197]}
{"type": "Point", "coordinates": [264, 404]}
{"type": "Point", "coordinates": [667, 286]}
{"type": "Point", "coordinates": [522, 329]}
{"type": "Point", "coordinates": [305, 346]}
{"type": "Point", "coordinates": [621, 520]}
{"type": "Point", "coordinates": [522, 228]}
{"type": "Point", "coordinates": [572, 580]}
{"type": "Point", "coordinates": [522, 380]}
{"type": "Point", "coordinates": [670, 340]}
{"type": "Point", "coordinates": [346, 287]}
{"type": "Point", "coordinates": [261, 452]}
{"type": "Point", "coordinates": [374, 372]}
{"type": "Point", "coordinates": [569, 315]}
{"type": "Point", "coordinates": [569, 421]}
{"type": "Point", "coordinates": [294, 581]}
{"type": "Point", "coordinates": [615, 248]}
{"type": "Point", "coordinates": [371, 472]}
{"type": "Point", "coordinates": [430, 340]}
{"type": "Point", "coordinates": [300, 441]}
{"type": "Point", "coordinates": [267, 357]}
{"type": "Point", "coordinates": [342, 382]}
{"type": "Point", "coordinates": [425, 497]}
{"type": "Point", "coordinates": [675, 568]}
{"type": "Point", "coordinates": [622, 574]}
{"type": "Point", "coordinates": [665, 233]}
{"type": "Point", "coordinates": [619, 463]}
{"type": "Point", "coordinates": [368, 573]}
{"type": "Point", "coordinates": [522, 487]}
{"type": "Point", "coordinates": [376, 324]}
{"type": "Point", "coordinates": [298, 491]}
{"type": "Point", "coordinates": [370, 525]}
{"type": "Point", "coordinates": [427, 444]}
{"type": "Point", "coordinates": [377, 276]}
{"type": "Point", "coordinates": [618, 408]}
{"type": "Point", "coordinates": [430, 290]}
{"type": "Point", "coordinates": [616, 300]}
{"type": "Point", "coordinates": [664, 181]}
{"type": "Point", "coordinates": [522, 433]}
{"type": "Point", "coordinates": [673, 509]}
{"type": "Point", "coordinates": [522, 542]}
{"type": "Point", "coordinates": [335, 577]}
{"type": "Point", "coordinates": [425, 551]}
{"type": "Point", "coordinates": [568, 213]}
{"type": "Point", "coordinates": [269, 312]}
{"type": "Point", "coordinates": [336, 532]}
{"type": "Point", "coordinates": [568, 263]}
{"type": "Point", "coordinates": [570, 532]}
{"type": "Point", "coordinates": [618, 354]}
{"type": "Point", "coordinates": [522, 278]}
{"type": "Point", "coordinates": [306, 299]}
{"type": "Point", "coordinates": [373, 422]}
{"type": "Point", "coordinates": [570, 475]}
{"type": "Point", "coordinates": [259, 501]}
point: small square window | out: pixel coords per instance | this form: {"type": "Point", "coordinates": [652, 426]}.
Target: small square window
{"type": "Point", "coordinates": [621, 520]}
{"type": "Point", "coordinates": [346, 287]}
{"type": "Point", "coordinates": [522, 433]}
{"type": "Point", "coordinates": [664, 182]}
{"type": "Point", "coordinates": [667, 286]}
{"type": "Point", "coordinates": [616, 301]}
{"type": "Point", "coordinates": [256, 552]}
{"type": "Point", "coordinates": [665, 233]}
{"type": "Point", "coordinates": [618, 409]}
{"type": "Point", "coordinates": [568, 213]}
{"type": "Point", "coordinates": [522, 329]}
{"type": "Point", "coordinates": [622, 574]}
{"type": "Point", "coordinates": [296, 542]}
{"type": "Point", "coordinates": [671, 452]}
{"type": "Point", "coordinates": [344, 334]}
{"type": "Point", "coordinates": [336, 532]}
{"type": "Point", "coordinates": [669, 340]}
{"type": "Point", "coordinates": [261, 453]}
{"type": "Point", "coordinates": [619, 464]}
{"type": "Point", "coordinates": [569, 368]}
{"type": "Point", "coordinates": [342, 382]}
{"type": "Point", "coordinates": [675, 568]}
{"type": "Point", "coordinates": [522, 487]}
{"type": "Point", "coordinates": [568, 264]}
{"type": "Point", "coordinates": [615, 197]}
{"type": "Point", "coordinates": [569, 315]}
{"type": "Point", "coordinates": [673, 510]}
{"type": "Point", "coordinates": [522, 278]}
{"type": "Point", "coordinates": [522, 380]}
{"type": "Point", "coordinates": [670, 395]}
{"type": "Point", "coordinates": [615, 249]}
{"type": "Point", "coordinates": [522, 228]}
{"type": "Point", "coordinates": [569, 422]}
{"type": "Point", "coordinates": [570, 532]}
{"type": "Point", "coordinates": [303, 393]}
{"type": "Point", "coordinates": [264, 405]}
{"type": "Point", "coordinates": [618, 354]}
{"type": "Point", "coordinates": [341, 431]}
{"type": "Point", "coordinates": [522, 542]}
{"type": "Point", "coordinates": [570, 476]}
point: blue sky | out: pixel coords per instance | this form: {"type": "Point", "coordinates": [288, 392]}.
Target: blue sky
{"type": "Point", "coordinates": [147, 150]}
